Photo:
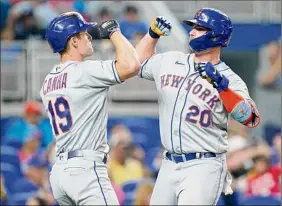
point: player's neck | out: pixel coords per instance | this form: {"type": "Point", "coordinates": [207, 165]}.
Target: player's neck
{"type": "Point", "coordinates": [212, 56]}
{"type": "Point", "coordinates": [71, 57]}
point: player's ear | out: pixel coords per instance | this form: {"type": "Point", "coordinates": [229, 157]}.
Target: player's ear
{"type": "Point", "coordinates": [73, 41]}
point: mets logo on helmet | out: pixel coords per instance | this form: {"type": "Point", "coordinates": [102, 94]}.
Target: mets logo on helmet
{"type": "Point", "coordinates": [198, 13]}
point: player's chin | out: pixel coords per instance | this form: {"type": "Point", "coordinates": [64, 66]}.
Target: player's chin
{"type": "Point", "coordinates": [90, 51]}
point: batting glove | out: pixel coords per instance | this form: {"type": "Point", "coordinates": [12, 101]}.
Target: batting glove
{"type": "Point", "coordinates": [209, 72]}
{"type": "Point", "coordinates": [107, 28]}
{"type": "Point", "coordinates": [160, 26]}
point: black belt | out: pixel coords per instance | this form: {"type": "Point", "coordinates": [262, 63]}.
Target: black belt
{"type": "Point", "coordinates": [79, 153]}
{"type": "Point", "coordinates": [190, 156]}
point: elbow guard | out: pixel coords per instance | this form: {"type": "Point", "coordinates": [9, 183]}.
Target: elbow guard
{"type": "Point", "coordinates": [246, 113]}
{"type": "Point", "coordinates": [243, 111]}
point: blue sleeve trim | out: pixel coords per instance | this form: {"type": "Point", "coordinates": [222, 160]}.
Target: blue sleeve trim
{"type": "Point", "coordinates": [115, 72]}
{"type": "Point", "coordinates": [142, 67]}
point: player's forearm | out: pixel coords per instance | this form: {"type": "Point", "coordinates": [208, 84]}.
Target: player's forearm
{"type": "Point", "coordinates": [242, 110]}
{"type": "Point", "coordinates": [146, 47]}
{"type": "Point", "coordinates": [126, 55]}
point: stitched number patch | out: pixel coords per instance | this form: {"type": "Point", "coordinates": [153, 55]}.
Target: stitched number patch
{"type": "Point", "coordinates": [195, 116]}
{"type": "Point", "coordinates": [61, 115]}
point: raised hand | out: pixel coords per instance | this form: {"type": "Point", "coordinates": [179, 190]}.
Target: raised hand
{"type": "Point", "coordinates": [160, 26]}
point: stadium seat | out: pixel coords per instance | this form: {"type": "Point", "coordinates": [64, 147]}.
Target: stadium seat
{"type": "Point", "coordinates": [10, 155]}
{"type": "Point", "coordinates": [128, 201]}
{"type": "Point", "coordinates": [129, 190]}
{"type": "Point", "coordinates": [130, 186]}
{"type": "Point", "coordinates": [10, 174]}
{"type": "Point", "coordinates": [5, 124]}
{"type": "Point", "coordinates": [8, 150]}
{"type": "Point", "coordinates": [221, 201]}
{"type": "Point", "coordinates": [20, 198]}
{"type": "Point", "coordinates": [13, 143]}
{"type": "Point", "coordinates": [21, 190]}
{"type": "Point", "coordinates": [258, 200]}
{"type": "Point", "coordinates": [270, 131]}
{"type": "Point", "coordinates": [150, 156]}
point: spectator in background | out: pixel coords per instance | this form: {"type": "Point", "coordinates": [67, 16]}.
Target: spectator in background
{"type": "Point", "coordinates": [36, 201]}
{"type": "Point", "coordinates": [121, 166]}
{"type": "Point", "coordinates": [137, 37]}
{"type": "Point", "coordinates": [143, 193]}
{"type": "Point", "coordinates": [35, 181]}
{"type": "Point", "coordinates": [21, 23]}
{"type": "Point", "coordinates": [263, 179]}
{"type": "Point", "coordinates": [103, 15]}
{"type": "Point", "coordinates": [30, 126]}
{"type": "Point", "coordinates": [26, 27]}
{"type": "Point", "coordinates": [155, 163]}
{"type": "Point", "coordinates": [119, 192]}
{"type": "Point", "coordinates": [136, 152]}
{"type": "Point", "coordinates": [50, 154]}
{"type": "Point", "coordinates": [94, 7]}
{"type": "Point", "coordinates": [242, 148]}
{"type": "Point", "coordinates": [130, 24]}
{"type": "Point", "coordinates": [30, 147]}
{"type": "Point", "coordinates": [3, 194]}
{"type": "Point", "coordinates": [268, 86]}
{"type": "Point", "coordinates": [4, 12]}
{"type": "Point", "coordinates": [48, 10]}
{"type": "Point", "coordinates": [272, 77]}
{"type": "Point", "coordinates": [276, 150]}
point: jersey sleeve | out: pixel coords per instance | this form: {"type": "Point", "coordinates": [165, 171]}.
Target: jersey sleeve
{"type": "Point", "coordinates": [101, 73]}
{"type": "Point", "coordinates": [238, 85]}
{"type": "Point", "coordinates": [150, 67]}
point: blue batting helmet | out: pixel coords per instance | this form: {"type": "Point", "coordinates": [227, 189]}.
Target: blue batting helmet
{"type": "Point", "coordinates": [61, 28]}
{"type": "Point", "coordinates": [219, 27]}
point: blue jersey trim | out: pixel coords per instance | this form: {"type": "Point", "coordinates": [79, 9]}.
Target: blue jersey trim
{"type": "Point", "coordinates": [141, 73]}
{"type": "Point", "coordinates": [100, 184]}
{"type": "Point", "coordinates": [223, 69]}
{"type": "Point", "coordinates": [180, 123]}
{"type": "Point", "coordinates": [115, 73]}
{"type": "Point", "coordinates": [218, 63]}
{"type": "Point", "coordinates": [175, 106]}
{"type": "Point", "coordinates": [219, 185]}
{"type": "Point", "coordinates": [63, 68]}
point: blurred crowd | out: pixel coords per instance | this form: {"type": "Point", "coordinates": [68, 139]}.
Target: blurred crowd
{"type": "Point", "coordinates": [22, 20]}
{"type": "Point", "coordinates": [28, 153]}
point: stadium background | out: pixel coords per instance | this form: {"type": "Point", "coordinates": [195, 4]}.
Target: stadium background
{"type": "Point", "coordinates": [133, 131]}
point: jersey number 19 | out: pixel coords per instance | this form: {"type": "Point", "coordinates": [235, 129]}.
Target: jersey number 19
{"type": "Point", "coordinates": [60, 109]}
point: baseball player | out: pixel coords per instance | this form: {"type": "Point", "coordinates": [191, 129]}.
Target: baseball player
{"type": "Point", "coordinates": [197, 93]}
{"type": "Point", "coordinates": [74, 94]}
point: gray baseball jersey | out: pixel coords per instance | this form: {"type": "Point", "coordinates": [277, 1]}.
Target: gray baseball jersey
{"type": "Point", "coordinates": [75, 97]}
{"type": "Point", "coordinates": [191, 114]}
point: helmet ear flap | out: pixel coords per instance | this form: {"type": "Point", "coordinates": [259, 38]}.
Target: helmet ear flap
{"type": "Point", "coordinates": [216, 36]}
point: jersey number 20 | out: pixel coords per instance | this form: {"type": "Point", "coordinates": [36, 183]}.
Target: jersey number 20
{"type": "Point", "coordinates": [60, 109]}
{"type": "Point", "coordinates": [205, 118]}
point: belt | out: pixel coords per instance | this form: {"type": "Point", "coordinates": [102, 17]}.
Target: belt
{"type": "Point", "coordinates": [79, 153]}
{"type": "Point", "coordinates": [190, 156]}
